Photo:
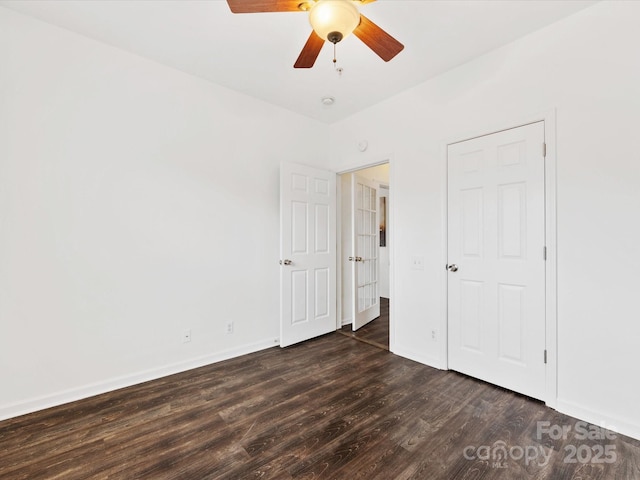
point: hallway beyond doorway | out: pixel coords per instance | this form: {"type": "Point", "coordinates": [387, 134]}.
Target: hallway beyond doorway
{"type": "Point", "coordinates": [375, 333]}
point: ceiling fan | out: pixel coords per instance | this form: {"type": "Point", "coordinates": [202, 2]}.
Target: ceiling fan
{"type": "Point", "coordinates": [331, 20]}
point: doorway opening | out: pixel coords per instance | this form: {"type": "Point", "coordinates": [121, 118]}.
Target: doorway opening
{"type": "Point", "coordinates": [364, 255]}
{"type": "Point", "coordinates": [375, 333]}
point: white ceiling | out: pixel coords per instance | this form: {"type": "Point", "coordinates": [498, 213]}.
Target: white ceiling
{"type": "Point", "coordinates": [254, 53]}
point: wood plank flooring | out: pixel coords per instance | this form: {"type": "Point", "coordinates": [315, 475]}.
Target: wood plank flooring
{"type": "Point", "coordinates": [330, 408]}
{"type": "Point", "coordinates": [376, 332]}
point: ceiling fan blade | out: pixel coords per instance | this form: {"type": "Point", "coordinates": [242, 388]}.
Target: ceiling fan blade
{"type": "Point", "coordinates": [259, 6]}
{"type": "Point", "coordinates": [310, 51]}
{"type": "Point", "coordinates": [377, 39]}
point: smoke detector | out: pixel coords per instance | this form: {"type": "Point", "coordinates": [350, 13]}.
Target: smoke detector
{"type": "Point", "coordinates": [328, 101]}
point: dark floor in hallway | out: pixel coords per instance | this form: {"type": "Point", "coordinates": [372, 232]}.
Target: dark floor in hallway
{"type": "Point", "coordinates": [376, 332]}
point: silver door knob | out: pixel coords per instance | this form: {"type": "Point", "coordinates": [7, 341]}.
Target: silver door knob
{"type": "Point", "coordinates": [355, 259]}
{"type": "Point", "coordinates": [285, 262]}
{"type": "Point", "coordinates": [452, 268]}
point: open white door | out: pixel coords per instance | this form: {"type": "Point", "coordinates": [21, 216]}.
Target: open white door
{"type": "Point", "coordinates": [307, 253]}
{"type": "Point", "coordinates": [496, 253]}
{"type": "Point", "coordinates": [365, 298]}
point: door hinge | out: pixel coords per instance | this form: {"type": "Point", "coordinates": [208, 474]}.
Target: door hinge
{"type": "Point", "coordinates": [544, 253]}
{"type": "Point", "coordinates": [545, 356]}
{"type": "Point", "coordinates": [544, 149]}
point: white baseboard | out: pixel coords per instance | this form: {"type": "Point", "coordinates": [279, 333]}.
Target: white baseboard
{"type": "Point", "coordinates": [418, 357]}
{"type": "Point", "coordinates": [611, 422]}
{"type": "Point", "coordinates": [86, 391]}
{"type": "Point", "coordinates": [346, 321]}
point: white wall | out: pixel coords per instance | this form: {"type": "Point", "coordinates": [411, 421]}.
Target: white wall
{"type": "Point", "coordinates": [587, 68]}
{"type": "Point", "coordinates": [346, 276]}
{"type": "Point", "coordinates": [135, 202]}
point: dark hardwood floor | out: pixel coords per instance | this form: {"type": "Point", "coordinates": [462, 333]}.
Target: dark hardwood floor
{"type": "Point", "coordinates": [376, 332]}
{"type": "Point", "coordinates": [330, 408]}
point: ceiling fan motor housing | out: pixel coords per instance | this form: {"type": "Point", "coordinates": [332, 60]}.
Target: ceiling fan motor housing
{"type": "Point", "coordinates": [334, 37]}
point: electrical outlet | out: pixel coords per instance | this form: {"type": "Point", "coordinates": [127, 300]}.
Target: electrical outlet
{"type": "Point", "coordinates": [417, 262]}
{"type": "Point", "coordinates": [229, 329]}
{"type": "Point", "coordinates": [434, 335]}
{"type": "Point", "coordinates": [186, 336]}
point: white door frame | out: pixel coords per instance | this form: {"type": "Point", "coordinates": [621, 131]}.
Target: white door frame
{"type": "Point", "coordinates": [551, 320]}
{"type": "Point", "coordinates": [390, 233]}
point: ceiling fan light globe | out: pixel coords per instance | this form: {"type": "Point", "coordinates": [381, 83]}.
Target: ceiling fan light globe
{"type": "Point", "coordinates": [330, 16]}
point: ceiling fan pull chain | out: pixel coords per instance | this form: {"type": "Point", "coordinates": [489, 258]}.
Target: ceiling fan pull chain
{"type": "Point", "coordinates": [335, 64]}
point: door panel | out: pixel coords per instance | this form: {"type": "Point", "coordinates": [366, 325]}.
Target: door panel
{"type": "Point", "coordinates": [471, 297]}
{"type": "Point", "coordinates": [496, 232]}
{"type": "Point", "coordinates": [366, 242]}
{"type": "Point", "coordinates": [308, 244]}
{"type": "Point", "coordinates": [512, 225]}
{"type": "Point", "coordinates": [471, 211]}
{"type": "Point", "coordinates": [511, 322]}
